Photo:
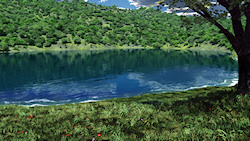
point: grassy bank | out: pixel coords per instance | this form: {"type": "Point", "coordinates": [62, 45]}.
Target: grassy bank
{"type": "Point", "coordinates": [71, 46]}
{"type": "Point", "coordinates": [214, 113]}
{"type": "Point", "coordinates": [204, 48]}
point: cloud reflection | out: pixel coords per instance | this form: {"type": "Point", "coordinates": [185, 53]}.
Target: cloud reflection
{"type": "Point", "coordinates": [52, 91]}
{"type": "Point", "coordinates": [165, 82]}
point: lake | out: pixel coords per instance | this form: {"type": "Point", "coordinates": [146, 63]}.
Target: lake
{"type": "Point", "coordinates": [55, 78]}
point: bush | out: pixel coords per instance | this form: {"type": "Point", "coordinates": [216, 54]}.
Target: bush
{"type": "Point", "coordinates": [77, 40]}
{"type": "Point", "coordinates": [51, 40]}
{"type": "Point", "coordinates": [39, 45]}
{"type": "Point", "coordinates": [23, 34]}
{"type": "Point", "coordinates": [4, 46]}
{"type": "Point", "coordinates": [21, 42]}
{"type": "Point", "coordinates": [11, 43]}
{"type": "Point", "coordinates": [49, 35]}
{"type": "Point", "coordinates": [2, 32]}
{"type": "Point", "coordinates": [143, 44]}
{"type": "Point", "coordinates": [80, 33]}
{"type": "Point", "coordinates": [106, 40]}
{"type": "Point", "coordinates": [35, 34]}
{"type": "Point", "coordinates": [30, 41]}
{"type": "Point", "coordinates": [16, 48]}
{"type": "Point", "coordinates": [157, 45]}
{"type": "Point", "coordinates": [64, 35]}
{"type": "Point", "coordinates": [9, 35]}
{"type": "Point", "coordinates": [190, 45]}
{"type": "Point", "coordinates": [47, 44]}
{"type": "Point", "coordinates": [93, 40]}
{"type": "Point", "coordinates": [58, 34]}
{"type": "Point", "coordinates": [40, 40]}
{"type": "Point", "coordinates": [44, 31]}
{"type": "Point", "coordinates": [65, 40]}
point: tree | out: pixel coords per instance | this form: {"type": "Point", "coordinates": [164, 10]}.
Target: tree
{"type": "Point", "coordinates": [30, 41]}
{"type": "Point", "coordinates": [238, 9]}
{"type": "Point", "coordinates": [80, 33]}
{"type": "Point", "coordinates": [58, 34]}
{"type": "Point", "coordinates": [40, 40]}
{"type": "Point", "coordinates": [77, 40]}
{"type": "Point", "coordinates": [39, 45]}
{"type": "Point", "coordinates": [106, 40]}
{"type": "Point", "coordinates": [65, 40]}
{"type": "Point", "coordinates": [157, 45]}
{"type": "Point", "coordinates": [21, 42]}
{"type": "Point", "coordinates": [51, 40]}
{"type": "Point", "coordinates": [4, 46]}
{"type": "Point", "coordinates": [47, 44]}
{"type": "Point", "coordinates": [49, 35]}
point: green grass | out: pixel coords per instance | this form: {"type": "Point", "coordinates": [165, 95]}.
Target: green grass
{"type": "Point", "coordinates": [209, 114]}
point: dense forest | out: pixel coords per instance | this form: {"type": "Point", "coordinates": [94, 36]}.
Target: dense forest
{"type": "Point", "coordinates": [41, 23]}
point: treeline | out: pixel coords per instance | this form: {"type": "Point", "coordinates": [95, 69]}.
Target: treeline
{"type": "Point", "coordinates": [41, 23]}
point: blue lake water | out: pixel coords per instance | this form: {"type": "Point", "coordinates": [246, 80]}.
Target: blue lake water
{"type": "Point", "coordinates": [55, 78]}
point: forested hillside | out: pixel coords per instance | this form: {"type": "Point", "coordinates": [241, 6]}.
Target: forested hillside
{"type": "Point", "coordinates": [41, 23]}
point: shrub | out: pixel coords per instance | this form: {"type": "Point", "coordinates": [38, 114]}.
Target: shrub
{"type": "Point", "coordinates": [58, 34]}
{"type": "Point", "coordinates": [9, 35]}
{"type": "Point", "coordinates": [35, 34]}
{"type": "Point", "coordinates": [39, 45]}
{"type": "Point", "coordinates": [47, 44]}
{"type": "Point", "coordinates": [49, 35]}
{"type": "Point", "coordinates": [77, 40]}
{"type": "Point", "coordinates": [30, 41]}
{"type": "Point", "coordinates": [23, 34]}
{"type": "Point", "coordinates": [11, 43]}
{"type": "Point", "coordinates": [4, 46]}
{"type": "Point", "coordinates": [65, 40]}
{"type": "Point", "coordinates": [21, 42]}
{"type": "Point", "coordinates": [93, 40]}
{"type": "Point", "coordinates": [80, 33]}
{"type": "Point", "coordinates": [143, 44]}
{"type": "Point", "coordinates": [51, 40]}
{"type": "Point", "coordinates": [40, 40]}
{"type": "Point", "coordinates": [16, 48]}
{"type": "Point", "coordinates": [157, 45]}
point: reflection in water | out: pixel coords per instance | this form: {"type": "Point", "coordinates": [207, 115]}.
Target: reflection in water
{"type": "Point", "coordinates": [76, 76]}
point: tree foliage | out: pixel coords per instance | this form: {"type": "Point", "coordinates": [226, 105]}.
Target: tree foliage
{"type": "Point", "coordinates": [52, 20]}
{"type": "Point", "coordinates": [239, 11]}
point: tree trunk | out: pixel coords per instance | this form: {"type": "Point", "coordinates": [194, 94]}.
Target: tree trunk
{"type": "Point", "coordinates": [244, 68]}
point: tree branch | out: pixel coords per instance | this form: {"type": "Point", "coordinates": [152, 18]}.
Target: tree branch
{"type": "Point", "coordinates": [236, 21]}
{"type": "Point", "coordinates": [206, 15]}
{"type": "Point", "coordinates": [224, 3]}
{"type": "Point", "coordinates": [234, 9]}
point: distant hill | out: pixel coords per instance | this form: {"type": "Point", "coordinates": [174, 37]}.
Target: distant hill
{"type": "Point", "coordinates": [25, 23]}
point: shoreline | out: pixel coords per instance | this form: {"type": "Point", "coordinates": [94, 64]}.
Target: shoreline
{"type": "Point", "coordinates": [233, 84]}
{"type": "Point", "coordinates": [70, 46]}
{"type": "Point", "coordinates": [95, 47]}
{"type": "Point", "coordinates": [110, 99]}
